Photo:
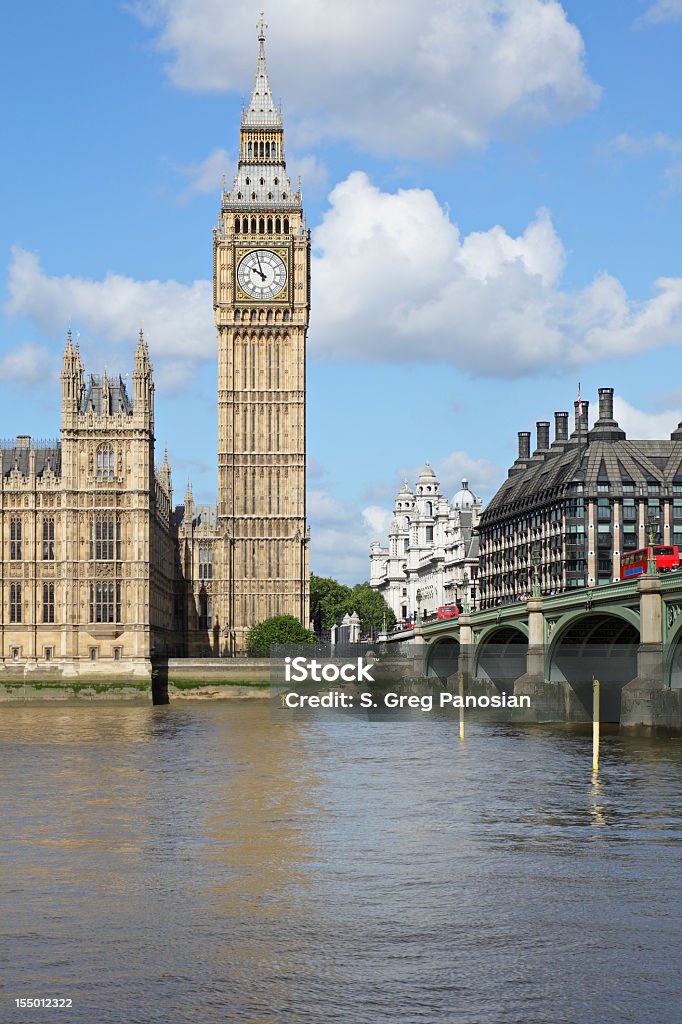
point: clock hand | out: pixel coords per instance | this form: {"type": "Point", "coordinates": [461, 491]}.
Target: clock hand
{"type": "Point", "coordinates": [260, 269]}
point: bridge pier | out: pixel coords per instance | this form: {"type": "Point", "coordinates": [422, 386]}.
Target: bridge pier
{"type": "Point", "coordinates": [646, 702]}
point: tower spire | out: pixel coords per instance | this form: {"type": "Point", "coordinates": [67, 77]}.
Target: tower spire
{"type": "Point", "coordinates": [261, 109]}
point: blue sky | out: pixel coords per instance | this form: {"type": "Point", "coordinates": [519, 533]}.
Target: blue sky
{"type": "Point", "coordinates": [494, 188]}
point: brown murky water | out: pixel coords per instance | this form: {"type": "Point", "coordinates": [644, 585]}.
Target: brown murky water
{"type": "Point", "coordinates": [202, 863]}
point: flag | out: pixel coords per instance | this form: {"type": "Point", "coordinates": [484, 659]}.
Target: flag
{"type": "Point", "coordinates": [580, 402]}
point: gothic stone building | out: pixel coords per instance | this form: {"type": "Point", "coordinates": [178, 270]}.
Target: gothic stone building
{"type": "Point", "coordinates": [97, 568]}
{"type": "Point", "coordinates": [569, 511]}
{"type": "Point", "coordinates": [432, 547]}
{"type": "Point", "coordinates": [87, 553]}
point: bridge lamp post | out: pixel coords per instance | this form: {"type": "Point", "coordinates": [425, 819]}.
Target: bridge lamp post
{"type": "Point", "coordinates": [535, 562]}
{"type": "Point", "coordinates": [419, 607]}
{"type": "Point", "coordinates": [651, 524]}
{"type": "Point", "coordinates": [465, 595]}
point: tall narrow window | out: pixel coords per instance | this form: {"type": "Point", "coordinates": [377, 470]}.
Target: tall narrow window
{"type": "Point", "coordinates": [249, 150]}
{"type": "Point", "coordinates": [15, 539]}
{"type": "Point", "coordinates": [48, 602]}
{"type": "Point", "coordinates": [267, 150]}
{"type": "Point", "coordinates": [105, 462]}
{"type": "Point", "coordinates": [15, 602]}
{"type": "Point", "coordinates": [205, 611]}
{"type": "Point", "coordinates": [237, 225]}
{"type": "Point", "coordinates": [205, 562]}
{"type": "Point", "coordinates": [48, 538]}
{"type": "Point", "coordinates": [105, 537]}
{"type": "Point", "coordinates": [286, 225]}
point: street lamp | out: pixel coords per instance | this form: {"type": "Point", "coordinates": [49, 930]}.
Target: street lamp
{"type": "Point", "coordinates": [651, 524]}
{"type": "Point", "coordinates": [535, 562]}
{"type": "Point", "coordinates": [419, 607]}
{"type": "Point", "coordinates": [465, 595]}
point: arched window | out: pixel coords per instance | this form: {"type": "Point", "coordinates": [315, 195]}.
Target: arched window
{"type": "Point", "coordinates": [262, 150]}
{"type": "Point", "coordinates": [286, 224]}
{"type": "Point", "coordinates": [269, 225]}
{"type": "Point", "coordinates": [428, 508]}
{"type": "Point", "coordinates": [261, 225]}
{"type": "Point", "coordinates": [286, 314]}
{"type": "Point", "coordinates": [253, 225]}
{"type": "Point", "coordinates": [250, 150]}
{"type": "Point", "coordinates": [267, 150]}
{"type": "Point", "coordinates": [237, 225]}
{"type": "Point", "coordinates": [406, 523]}
{"type": "Point", "coordinates": [105, 462]}
{"type": "Point", "coordinates": [278, 226]}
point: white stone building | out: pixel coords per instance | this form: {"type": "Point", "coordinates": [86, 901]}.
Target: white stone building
{"type": "Point", "coordinates": [432, 547]}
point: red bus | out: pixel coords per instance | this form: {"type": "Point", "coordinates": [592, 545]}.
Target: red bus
{"type": "Point", "coordinates": [636, 563]}
{"type": "Point", "coordinates": [448, 611]}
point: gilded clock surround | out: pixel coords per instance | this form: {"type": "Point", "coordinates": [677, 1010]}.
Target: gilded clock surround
{"type": "Point", "coordinates": [284, 253]}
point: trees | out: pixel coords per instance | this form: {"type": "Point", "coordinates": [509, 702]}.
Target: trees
{"type": "Point", "coordinates": [280, 629]}
{"type": "Point", "coordinates": [371, 607]}
{"type": "Point", "coordinates": [330, 600]}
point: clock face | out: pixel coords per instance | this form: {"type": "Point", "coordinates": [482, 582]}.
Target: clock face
{"type": "Point", "coordinates": [262, 274]}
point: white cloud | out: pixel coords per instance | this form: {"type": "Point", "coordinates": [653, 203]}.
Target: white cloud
{"type": "Point", "coordinates": [206, 177]}
{"type": "Point", "coordinates": [645, 426]}
{"type": "Point", "coordinates": [378, 521]}
{"type": "Point", "coordinates": [340, 538]}
{"type": "Point", "coordinates": [394, 281]}
{"type": "Point", "coordinates": [483, 477]}
{"type": "Point", "coordinates": [27, 364]}
{"type": "Point", "coordinates": [657, 143]}
{"type": "Point", "coordinates": [397, 78]}
{"type": "Point", "coordinates": [177, 318]}
{"type": "Point", "coordinates": [663, 10]}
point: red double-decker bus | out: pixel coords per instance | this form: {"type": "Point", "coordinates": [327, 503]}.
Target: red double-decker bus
{"type": "Point", "coordinates": [636, 563]}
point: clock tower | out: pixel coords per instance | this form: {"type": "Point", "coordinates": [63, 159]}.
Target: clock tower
{"type": "Point", "coordinates": [261, 298]}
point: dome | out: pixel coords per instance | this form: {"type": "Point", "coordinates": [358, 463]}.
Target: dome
{"type": "Point", "coordinates": [464, 497]}
{"type": "Point", "coordinates": [427, 475]}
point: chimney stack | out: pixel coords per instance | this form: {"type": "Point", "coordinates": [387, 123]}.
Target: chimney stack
{"type": "Point", "coordinates": [542, 427]}
{"type": "Point", "coordinates": [561, 426]}
{"type": "Point", "coordinates": [585, 421]}
{"type": "Point", "coordinates": [605, 403]}
{"type": "Point", "coordinates": [524, 444]}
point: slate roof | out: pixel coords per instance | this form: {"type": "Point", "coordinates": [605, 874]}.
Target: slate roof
{"type": "Point", "coordinates": [599, 459]}
{"type": "Point", "coordinates": [119, 400]}
{"type": "Point", "coordinates": [19, 456]}
{"type": "Point", "coordinates": [202, 515]}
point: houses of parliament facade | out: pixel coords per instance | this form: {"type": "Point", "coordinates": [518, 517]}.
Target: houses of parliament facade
{"type": "Point", "coordinates": [100, 571]}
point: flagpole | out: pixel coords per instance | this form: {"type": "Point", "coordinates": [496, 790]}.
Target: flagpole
{"type": "Point", "coordinates": [580, 428]}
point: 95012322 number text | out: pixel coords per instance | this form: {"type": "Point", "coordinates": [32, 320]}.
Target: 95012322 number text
{"type": "Point", "coordinates": [53, 1003]}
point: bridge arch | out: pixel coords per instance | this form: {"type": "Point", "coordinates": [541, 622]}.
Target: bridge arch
{"type": "Point", "coordinates": [672, 674]}
{"type": "Point", "coordinates": [589, 644]}
{"type": "Point", "coordinates": [442, 658]}
{"type": "Point", "coordinates": [500, 654]}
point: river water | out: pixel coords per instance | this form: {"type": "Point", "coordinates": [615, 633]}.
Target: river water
{"type": "Point", "coordinates": [200, 862]}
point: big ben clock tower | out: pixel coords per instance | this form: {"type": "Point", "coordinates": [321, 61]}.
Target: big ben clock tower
{"type": "Point", "coordinates": [261, 297]}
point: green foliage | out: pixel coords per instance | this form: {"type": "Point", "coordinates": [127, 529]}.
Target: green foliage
{"type": "Point", "coordinates": [330, 600]}
{"type": "Point", "coordinates": [280, 629]}
{"type": "Point", "coordinates": [371, 607]}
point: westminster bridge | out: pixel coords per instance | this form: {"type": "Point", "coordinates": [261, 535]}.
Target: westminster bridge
{"type": "Point", "coordinates": [628, 635]}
